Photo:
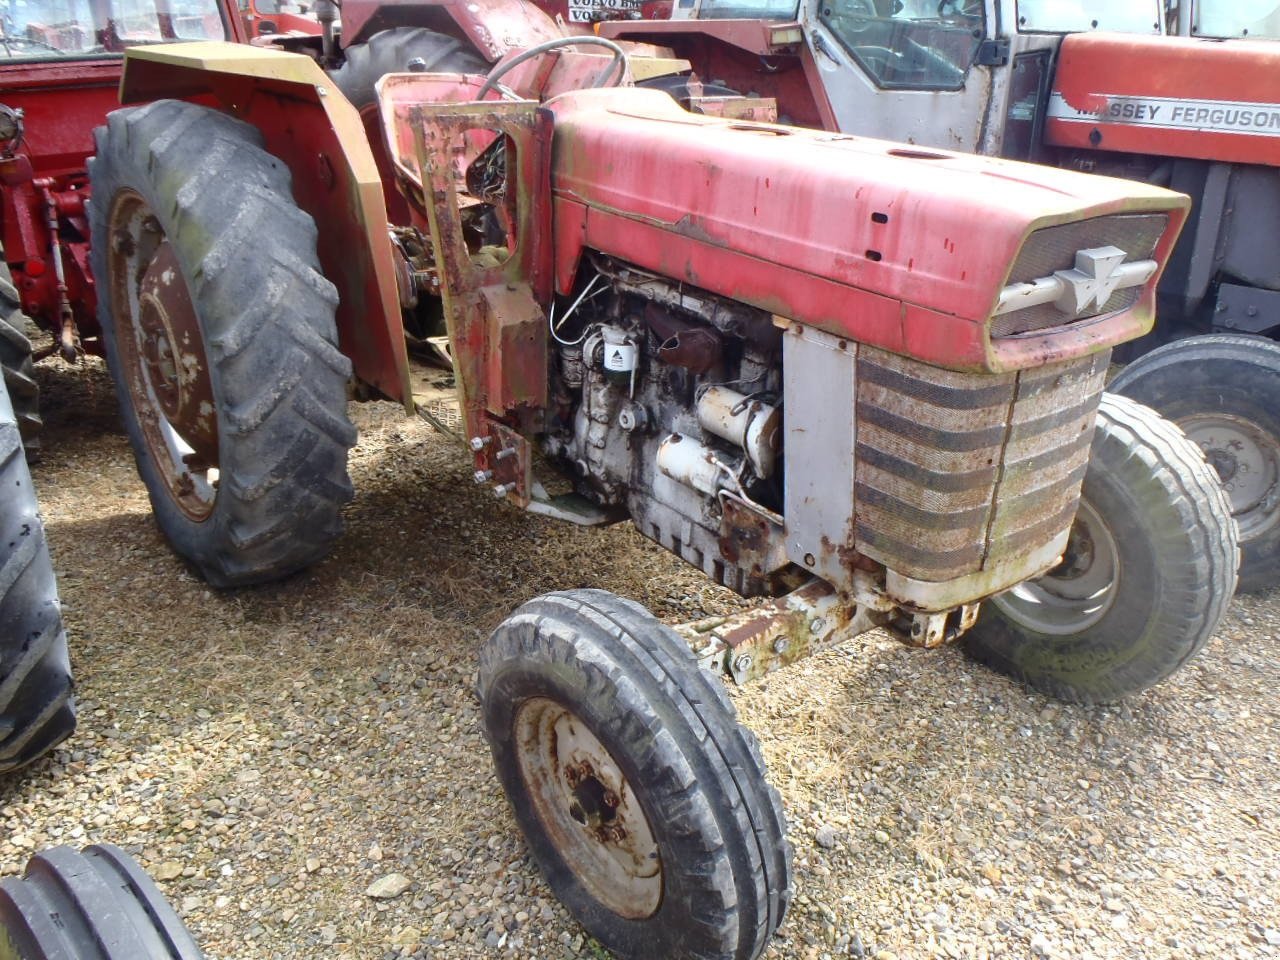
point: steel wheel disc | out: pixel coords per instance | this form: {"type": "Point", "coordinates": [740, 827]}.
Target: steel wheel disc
{"type": "Point", "coordinates": [162, 352]}
{"type": "Point", "coordinates": [588, 809]}
{"type": "Point", "coordinates": [1248, 464]}
{"type": "Point", "coordinates": [1075, 594]}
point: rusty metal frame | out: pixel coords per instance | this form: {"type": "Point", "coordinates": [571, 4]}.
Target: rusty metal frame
{"type": "Point", "coordinates": [494, 312]}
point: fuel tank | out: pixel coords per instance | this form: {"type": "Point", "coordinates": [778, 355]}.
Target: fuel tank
{"type": "Point", "coordinates": [1168, 96]}
{"type": "Point", "coordinates": [963, 262]}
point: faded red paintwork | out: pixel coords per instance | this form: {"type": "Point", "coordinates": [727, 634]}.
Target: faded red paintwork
{"type": "Point", "coordinates": [1196, 88]}
{"type": "Point", "coordinates": [782, 218]}
{"type": "Point", "coordinates": [62, 101]}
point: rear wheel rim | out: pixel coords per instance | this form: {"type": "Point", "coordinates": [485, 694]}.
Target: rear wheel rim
{"type": "Point", "coordinates": [1247, 462]}
{"type": "Point", "coordinates": [162, 355]}
{"type": "Point", "coordinates": [588, 809]}
{"type": "Point", "coordinates": [1077, 593]}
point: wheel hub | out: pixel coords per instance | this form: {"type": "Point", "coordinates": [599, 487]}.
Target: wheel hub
{"type": "Point", "coordinates": [1247, 462]}
{"type": "Point", "coordinates": [1079, 591]}
{"type": "Point", "coordinates": [161, 350]}
{"type": "Point", "coordinates": [589, 809]}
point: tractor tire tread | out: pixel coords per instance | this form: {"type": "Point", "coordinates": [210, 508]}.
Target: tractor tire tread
{"type": "Point", "coordinates": [748, 883]}
{"type": "Point", "coordinates": [97, 904]}
{"type": "Point", "coordinates": [284, 430]}
{"type": "Point", "coordinates": [17, 364]}
{"type": "Point", "coordinates": [36, 707]}
{"type": "Point", "coordinates": [389, 51]}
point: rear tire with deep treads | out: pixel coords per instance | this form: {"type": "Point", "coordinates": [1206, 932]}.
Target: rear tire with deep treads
{"type": "Point", "coordinates": [266, 318]}
{"type": "Point", "coordinates": [95, 905]}
{"type": "Point", "coordinates": [36, 708]}
{"type": "Point", "coordinates": [19, 371]}
{"type": "Point", "coordinates": [672, 764]}
{"type": "Point", "coordinates": [1161, 529]}
{"type": "Point", "coordinates": [390, 51]}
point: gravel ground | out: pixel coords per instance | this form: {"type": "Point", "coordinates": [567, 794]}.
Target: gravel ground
{"type": "Point", "coordinates": [269, 754]}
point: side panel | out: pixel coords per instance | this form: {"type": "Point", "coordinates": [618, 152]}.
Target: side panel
{"type": "Point", "coordinates": [313, 129]}
{"type": "Point", "coordinates": [1168, 96]}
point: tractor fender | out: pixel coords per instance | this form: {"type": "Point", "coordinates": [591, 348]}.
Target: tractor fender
{"type": "Point", "coordinates": [309, 126]}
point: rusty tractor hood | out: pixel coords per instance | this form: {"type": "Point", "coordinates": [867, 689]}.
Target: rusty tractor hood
{"type": "Point", "coordinates": [900, 247]}
{"type": "Point", "coordinates": [1168, 96]}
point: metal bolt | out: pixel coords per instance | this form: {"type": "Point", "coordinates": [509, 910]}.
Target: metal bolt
{"type": "Point", "coordinates": [504, 453]}
{"type": "Point", "coordinates": [611, 799]}
{"type": "Point", "coordinates": [479, 443]}
{"type": "Point", "coordinates": [781, 645]}
{"type": "Point", "coordinates": [817, 625]}
{"type": "Point", "coordinates": [501, 490]}
{"type": "Point", "coordinates": [743, 663]}
{"type": "Point", "coordinates": [482, 476]}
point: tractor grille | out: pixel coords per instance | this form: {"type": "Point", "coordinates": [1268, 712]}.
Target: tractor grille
{"type": "Point", "coordinates": [1054, 248]}
{"type": "Point", "coordinates": [956, 471]}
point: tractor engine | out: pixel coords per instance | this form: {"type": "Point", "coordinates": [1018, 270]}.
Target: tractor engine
{"type": "Point", "coordinates": [676, 416]}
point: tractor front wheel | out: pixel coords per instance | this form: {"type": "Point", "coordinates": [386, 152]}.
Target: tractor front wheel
{"type": "Point", "coordinates": [1145, 579]}
{"type": "Point", "coordinates": [643, 801]}
{"type": "Point", "coordinates": [220, 335]}
{"type": "Point", "coordinates": [1223, 390]}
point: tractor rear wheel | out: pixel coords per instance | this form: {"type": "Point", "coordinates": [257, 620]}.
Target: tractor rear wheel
{"type": "Point", "coordinates": [95, 905]}
{"type": "Point", "coordinates": [36, 709]}
{"type": "Point", "coordinates": [1223, 390]}
{"type": "Point", "coordinates": [19, 371]}
{"type": "Point", "coordinates": [391, 51]}
{"type": "Point", "coordinates": [1145, 579]}
{"type": "Point", "coordinates": [220, 335]}
{"type": "Point", "coordinates": [643, 801]}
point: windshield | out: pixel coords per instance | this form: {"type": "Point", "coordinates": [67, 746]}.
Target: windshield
{"type": "Point", "coordinates": [1081, 16]}
{"type": "Point", "coordinates": [909, 44]}
{"type": "Point", "coordinates": [1237, 18]}
{"type": "Point", "coordinates": [50, 29]}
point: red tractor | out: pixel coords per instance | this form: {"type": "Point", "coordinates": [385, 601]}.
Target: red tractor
{"type": "Point", "coordinates": [859, 380]}
{"type": "Point", "coordinates": [1089, 86]}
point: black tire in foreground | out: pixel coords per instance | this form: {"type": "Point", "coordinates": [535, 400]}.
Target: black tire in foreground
{"type": "Point", "coordinates": [36, 708]}
{"type": "Point", "coordinates": [643, 800]}
{"type": "Point", "coordinates": [220, 335]}
{"type": "Point", "coordinates": [95, 905]}
{"type": "Point", "coordinates": [19, 371]}
{"type": "Point", "coordinates": [391, 51]}
{"type": "Point", "coordinates": [1223, 390]}
{"type": "Point", "coordinates": [1146, 577]}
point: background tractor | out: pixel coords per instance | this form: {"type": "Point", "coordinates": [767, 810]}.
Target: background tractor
{"type": "Point", "coordinates": [1088, 86]}
{"type": "Point", "coordinates": [787, 356]}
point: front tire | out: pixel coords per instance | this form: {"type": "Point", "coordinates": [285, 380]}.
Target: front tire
{"type": "Point", "coordinates": [220, 335]}
{"type": "Point", "coordinates": [1145, 580]}
{"type": "Point", "coordinates": [36, 708]}
{"type": "Point", "coordinates": [94, 905]}
{"type": "Point", "coordinates": [643, 801]}
{"type": "Point", "coordinates": [1223, 390]}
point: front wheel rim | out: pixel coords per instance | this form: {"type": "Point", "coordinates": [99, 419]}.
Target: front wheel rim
{"type": "Point", "coordinates": [162, 356]}
{"type": "Point", "coordinates": [1077, 593]}
{"type": "Point", "coordinates": [588, 809]}
{"type": "Point", "coordinates": [1247, 462]}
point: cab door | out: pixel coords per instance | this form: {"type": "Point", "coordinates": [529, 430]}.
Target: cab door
{"type": "Point", "coordinates": [918, 71]}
